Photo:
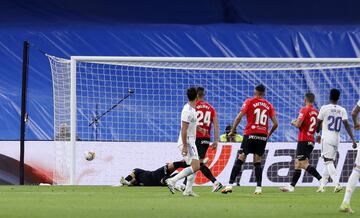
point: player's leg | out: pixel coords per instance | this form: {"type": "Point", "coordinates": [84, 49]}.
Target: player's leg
{"type": "Point", "coordinates": [189, 184]}
{"type": "Point", "coordinates": [202, 144]}
{"type": "Point", "coordinates": [171, 167]}
{"type": "Point", "coordinates": [325, 152]}
{"type": "Point", "coordinates": [258, 143]}
{"type": "Point", "coordinates": [191, 158]}
{"type": "Point", "coordinates": [244, 151]}
{"type": "Point", "coordinates": [324, 180]}
{"type": "Point", "coordinates": [351, 185]}
{"type": "Point", "coordinates": [208, 174]}
{"type": "Point", "coordinates": [240, 159]}
{"type": "Point", "coordinates": [350, 188]}
{"type": "Point", "coordinates": [306, 165]}
{"type": "Point", "coordinates": [258, 173]}
{"type": "Point", "coordinates": [174, 166]}
{"type": "Point", "coordinates": [128, 180]}
{"type": "Point", "coordinates": [238, 176]}
{"type": "Point", "coordinates": [190, 181]}
{"type": "Point", "coordinates": [329, 155]}
{"type": "Point", "coordinates": [300, 156]}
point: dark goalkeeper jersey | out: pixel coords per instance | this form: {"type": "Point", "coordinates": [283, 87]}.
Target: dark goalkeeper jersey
{"type": "Point", "coordinates": [151, 178]}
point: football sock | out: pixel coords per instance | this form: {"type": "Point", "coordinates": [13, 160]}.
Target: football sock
{"type": "Point", "coordinates": [180, 164]}
{"type": "Point", "coordinates": [184, 173]}
{"type": "Point", "coordinates": [190, 182]}
{"type": "Point", "coordinates": [351, 185]}
{"type": "Point", "coordinates": [325, 176]}
{"type": "Point", "coordinates": [310, 169]}
{"type": "Point", "coordinates": [326, 173]}
{"type": "Point", "coordinates": [332, 172]}
{"type": "Point", "coordinates": [258, 173]}
{"type": "Point", "coordinates": [296, 177]}
{"type": "Point", "coordinates": [235, 170]}
{"type": "Point", "coordinates": [129, 178]}
{"type": "Point", "coordinates": [207, 173]}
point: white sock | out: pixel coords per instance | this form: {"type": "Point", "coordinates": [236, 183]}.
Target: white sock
{"type": "Point", "coordinates": [351, 185]}
{"type": "Point", "coordinates": [325, 176]}
{"type": "Point", "coordinates": [332, 171]}
{"type": "Point", "coordinates": [190, 182]}
{"type": "Point", "coordinates": [184, 173]}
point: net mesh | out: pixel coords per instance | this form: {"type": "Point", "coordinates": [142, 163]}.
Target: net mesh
{"type": "Point", "coordinates": [152, 113]}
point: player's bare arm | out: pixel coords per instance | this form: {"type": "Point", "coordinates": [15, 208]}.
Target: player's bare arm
{"type": "Point", "coordinates": [274, 126]}
{"type": "Point", "coordinates": [349, 131]}
{"type": "Point", "coordinates": [216, 132]}
{"type": "Point", "coordinates": [297, 123]}
{"type": "Point", "coordinates": [318, 129]}
{"type": "Point", "coordinates": [184, 129]}
{"type": "Point", "coordinates": [354, 115]}
{"type": "Point", "coordinates": [236, 123]}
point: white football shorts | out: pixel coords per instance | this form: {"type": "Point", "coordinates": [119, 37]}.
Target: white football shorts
{"type": "Point", "coordinates": [192, 153]}
{"type": "Point", "coordinates": [328, 151]}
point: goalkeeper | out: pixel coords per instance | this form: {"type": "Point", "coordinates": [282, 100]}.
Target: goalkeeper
{"type": "Point", "coordinates": [140, 177]}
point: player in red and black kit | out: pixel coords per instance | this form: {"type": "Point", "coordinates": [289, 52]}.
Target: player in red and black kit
{"type": "Point", "coordinates": [306, 122]}
{"type": "Point", "coordinates": [206, 116]}
{"type": "Point", "coordinates": [258, 111]}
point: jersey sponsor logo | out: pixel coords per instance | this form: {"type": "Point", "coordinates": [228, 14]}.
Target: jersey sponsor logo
{"type": "Point", "coordinates": [204, 142]}
{"type": "Point", "coordinates": [256, 137]}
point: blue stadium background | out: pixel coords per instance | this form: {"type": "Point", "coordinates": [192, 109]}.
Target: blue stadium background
{"type": "Point", "coordinates": [204, 28]}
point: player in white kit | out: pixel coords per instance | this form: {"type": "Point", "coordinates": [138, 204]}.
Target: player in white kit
{"type": "Point", "coordinates": [330, 118]}
{"type": "Point", "coordinates": [355, 174]}
{"type": "Point", "coordinates": [186, 144]}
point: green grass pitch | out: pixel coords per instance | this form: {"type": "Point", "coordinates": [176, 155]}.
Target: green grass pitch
{"type": "Point", "coordinates": [104, 201]}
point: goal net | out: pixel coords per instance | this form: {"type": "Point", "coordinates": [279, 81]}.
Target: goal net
{"type": "Point", "coordinates": [93, 99]}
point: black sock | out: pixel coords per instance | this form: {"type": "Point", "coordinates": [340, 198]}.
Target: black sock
{"type": "Point", "coordinates": [258, 173]}
{"type": "Point", "coordinates": [129, 178]}
{"type": "Point", "coordinates": [235, 170]}
{"type": "Point", "coordinates": [178, 164]}
{"type": "Point", "coordinates": [207, 173]}
{"type": "Point", "coordinates": [310, 169]}
{"type": "Point", "coordinates": [296, 177]}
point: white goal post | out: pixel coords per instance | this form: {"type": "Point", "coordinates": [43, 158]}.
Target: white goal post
{"type": "Point", "coordinates": [87, 86]}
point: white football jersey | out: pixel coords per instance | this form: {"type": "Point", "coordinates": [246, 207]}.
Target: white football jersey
{"type": "Point", "coordinates": [332, 116]}
{"type": "Point", "coordinates": [188, 115]}
{"type": "Point", "coordinates": [358, 104]}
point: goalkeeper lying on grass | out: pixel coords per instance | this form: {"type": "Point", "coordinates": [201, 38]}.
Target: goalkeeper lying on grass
{"type": "Point", "coordinates": [140, 177]}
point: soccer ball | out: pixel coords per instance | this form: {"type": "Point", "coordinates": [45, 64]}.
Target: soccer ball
{"type": "Point", "coordinates": [89, 155]}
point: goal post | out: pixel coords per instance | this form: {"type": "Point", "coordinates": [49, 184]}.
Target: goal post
{"type": "Point", "coordinates": [87, 86]}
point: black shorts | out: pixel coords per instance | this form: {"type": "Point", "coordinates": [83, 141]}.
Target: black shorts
{"type": "Point", "coordinates": [202, 145]}
{"type": "Point", "coordinates": [149, 178]}
{"type": "Point", "coordinates": [304, 150]}
{"type": "Point", "coordinates": [254, 144]}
